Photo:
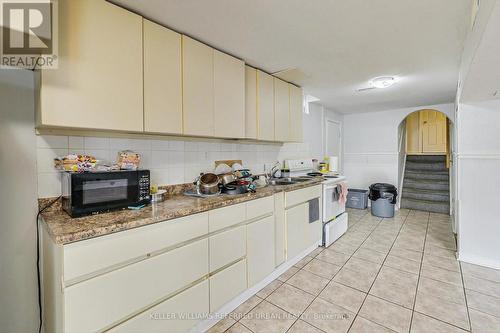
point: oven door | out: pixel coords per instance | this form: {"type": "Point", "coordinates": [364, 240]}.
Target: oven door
{"type": "Point", "coordinates": [100, 192]}
{"type": "Point", "coordinates": [331, 206]}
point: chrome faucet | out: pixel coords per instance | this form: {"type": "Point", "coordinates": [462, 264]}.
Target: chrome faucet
{"type": "Point", "coordinates": [276, 167]}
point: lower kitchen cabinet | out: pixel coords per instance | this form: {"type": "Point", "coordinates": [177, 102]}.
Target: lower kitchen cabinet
{"type": "Point", "coordinates": [175, 315]}
{"type": "Point", "coordinates": [279, 228]}
{"type": "Point", "coordinates": [227, 284]}
{"type": "Point", "coordinates": [296, 230]}
{"type": "Point", "coordinates": [102, 301]}
{"type": "Point", "coordinates": [227, 247]}
{"type": "Point", "coordinates": [260, 250]}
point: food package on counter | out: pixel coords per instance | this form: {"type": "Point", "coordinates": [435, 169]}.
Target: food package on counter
{"type": "Point", "coordinates": [75, 162]}
{"type": "Point", "coordinates": [128, 160]}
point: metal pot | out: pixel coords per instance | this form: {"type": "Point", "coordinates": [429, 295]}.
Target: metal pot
{"type": "Point", "coordinates": [227, 178]}
{"type": "Point", "coordinates": [208, 183]}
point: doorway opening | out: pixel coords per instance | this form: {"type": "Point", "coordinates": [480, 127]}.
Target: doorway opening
{"type": "Point", "coordinates": [425, 161]}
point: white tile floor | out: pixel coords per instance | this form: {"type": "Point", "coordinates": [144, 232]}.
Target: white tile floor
{"type": "Point", "coordinates": [383, 275]}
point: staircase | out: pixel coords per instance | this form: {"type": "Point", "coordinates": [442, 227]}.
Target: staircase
{"type": "Point", "coordinates": [426, 184]}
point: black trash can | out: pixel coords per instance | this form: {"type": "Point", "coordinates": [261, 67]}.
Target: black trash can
{"type": "Point", "coordinates": [383, 199]}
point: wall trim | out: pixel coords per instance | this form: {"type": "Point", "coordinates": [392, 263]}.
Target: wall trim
{"type": "Point", "coordinates": [475, 260]}
{"type": "Point", "coordinates": [486, 156]}
{"type": "Point", "coordinates": [374, 154]}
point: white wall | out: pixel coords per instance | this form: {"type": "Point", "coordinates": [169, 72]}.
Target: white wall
{"type": "Point", "coordinates": [478, 185]}
{"type": "Point", "coordinates": [371, 144]}
{"type": "Point", "coordinates": [314, 129]}
{"type": "Point", "coordinates": [18, 206]}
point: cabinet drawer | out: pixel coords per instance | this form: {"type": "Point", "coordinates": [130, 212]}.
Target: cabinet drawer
{"type": "Point", "coordinates": [225, 217]}
{"type": "Point", "coordinates": [191, 301]}
{"type": "Point", "coordinates": [111, 297]}
{"type": "Point", "coordinates": [227, 247]}
{"type": "Point", "coordinates": [260, 207]}
{"type": "Point", "coordinates": [299, 196]}
{"type": "Point", "coordinates": [227, 284]}
{"type": "Point", "coordinates": [95, 254]}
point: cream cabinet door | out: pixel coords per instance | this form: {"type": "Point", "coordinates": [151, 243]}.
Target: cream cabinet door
{"type": "Point", "coordinates": [250, 102]}
{"type": "Point", "coordinates": [265, 106]}
{"type": "Point", "coordinates": [260, 250]}
{"type": "Point", "coordinates": [296, 105]}
{"type": "Point", "coordinates": [98, 303]}
{"type": "Point", "coordinates": [229, 96]}
{"type": "Point", "coordinates": [98, 84]}
{"type": "Point", "coordinates": [193, 301]}
{"type": "Point", "coordinates": [279, 228]}
{"type": "Point", "coordinates": [227, 284]}
{"type": "Point", "coordinates": [227, 247]}
{"type": "Point", "coordinates": [281, 110]}
{"type": "Point", "coordinates": [297, 233]}
{"type": "Point", "coordinates": [162, 80]}
{"type": "Point", "coordinates": [198, 87]}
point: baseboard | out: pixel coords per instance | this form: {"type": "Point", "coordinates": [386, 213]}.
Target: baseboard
{"type": "Point", "coordinates": [472, 259]}
{"type": "Point", "coordinates": [214, 317]}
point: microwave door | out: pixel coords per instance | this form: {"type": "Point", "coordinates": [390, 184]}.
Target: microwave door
{"type": "Point", "coordinates": [104, 191]}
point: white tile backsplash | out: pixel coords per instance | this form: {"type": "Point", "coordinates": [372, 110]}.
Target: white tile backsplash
{"type": "Point", "coordinates": [170, 161]}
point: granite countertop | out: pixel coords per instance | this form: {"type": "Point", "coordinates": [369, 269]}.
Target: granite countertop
{"type": "Point", "coordinates": [64, 230]}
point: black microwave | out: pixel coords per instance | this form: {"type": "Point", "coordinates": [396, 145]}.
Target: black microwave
{"type": "Point", "coordinates": [87, 193]}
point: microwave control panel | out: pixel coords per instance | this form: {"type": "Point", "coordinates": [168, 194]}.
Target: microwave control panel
{"type": "Point", "coordinates": [144, 186]}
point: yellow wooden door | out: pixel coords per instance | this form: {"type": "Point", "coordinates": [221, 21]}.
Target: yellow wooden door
{"type": "Point", "coordinates": [162, 80]}
{"type": "Point", "coordinates": [433, 128]}
{"type": "Point", "coordinates": [413, 137]}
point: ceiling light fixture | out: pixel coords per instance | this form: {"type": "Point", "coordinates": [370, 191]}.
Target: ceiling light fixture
{"type": "Point", "coordinates": [383, 82]}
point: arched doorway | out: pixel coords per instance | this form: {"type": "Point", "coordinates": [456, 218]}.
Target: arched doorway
{"type": "Point", "coordinates": [425, 162]}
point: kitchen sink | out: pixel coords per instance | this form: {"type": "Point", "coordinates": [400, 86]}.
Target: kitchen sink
{"type": "Point", "coordinates": [281, 181]}
{"type": "Point", "coordinates": [288, 181]}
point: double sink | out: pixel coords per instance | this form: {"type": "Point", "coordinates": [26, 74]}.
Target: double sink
{"type": "Point", "coordinates": [288, 180]}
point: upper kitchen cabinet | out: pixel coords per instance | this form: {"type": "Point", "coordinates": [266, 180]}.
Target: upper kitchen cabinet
{"type": "Point", "coordinates": [98, 84]}
{"type": "Point", "coordinates": [162, 79]}
{"type": "Point", "coordinates": [250, 102]}
{"type": "Point", "coordinates": [296, 105]}
{"type": "Point", "coordinates": [229, 96]}
{"type": "Point", "coordinates": [265, 106]}
{"type": "Point", "coordinates": [281, 110]}
{"type": "Point", "coordinates": [198, 88]}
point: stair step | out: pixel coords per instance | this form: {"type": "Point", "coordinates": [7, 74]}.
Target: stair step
{"type": "Point", "coordinates": [426, 185]}
{"type": "Point", "coordinates": [434, 196]}
{"type": "Point", "coordinates": [426, 158]}
{"type": "Point", "coordinates": [425, 166]}
{"type": "Point", "coordinates": [439, 175]}
{"type": "Point", "coordinates": [428, 206]}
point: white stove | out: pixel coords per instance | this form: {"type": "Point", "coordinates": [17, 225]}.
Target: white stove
{"type": "Point", "coordinates": [334, 217]}
{"type": "Point", "coordinates": [333, 214]}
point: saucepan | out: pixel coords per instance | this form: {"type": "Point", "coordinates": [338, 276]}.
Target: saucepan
{"type": "Point", "coordinates": [208, 183]}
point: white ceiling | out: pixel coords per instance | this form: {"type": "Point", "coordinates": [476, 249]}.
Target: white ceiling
{"type": "Point", "coordinates": [337, 46]}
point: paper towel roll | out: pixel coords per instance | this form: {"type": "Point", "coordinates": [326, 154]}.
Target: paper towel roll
{"type": "Point", "coordinates": [333, 164]}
